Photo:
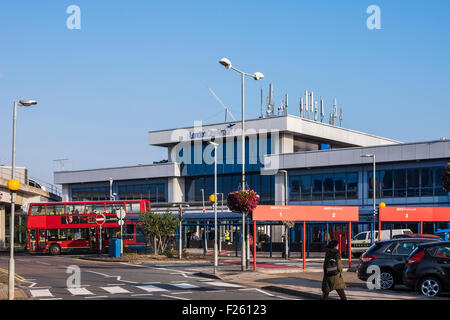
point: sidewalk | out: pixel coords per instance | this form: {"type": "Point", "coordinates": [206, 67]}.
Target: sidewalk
{"type": "Point", "coordinates": [288, 277]}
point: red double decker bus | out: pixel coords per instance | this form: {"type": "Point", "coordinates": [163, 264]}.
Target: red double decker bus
{"type": "Point", "coordinates": [56, 227]}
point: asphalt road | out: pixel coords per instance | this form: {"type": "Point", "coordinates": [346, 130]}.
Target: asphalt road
{"type": "Point", "coordinates": [67, 277]}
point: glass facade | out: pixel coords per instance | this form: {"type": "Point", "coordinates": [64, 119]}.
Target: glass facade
{"type": "Point", "coordinates": [264, 185]}
{"type": "Point", "coordinates": [85, 193]}
{"type": "Point", "coordinates": [410, 182]}
{"type": "Point", "coordinates": [229, 157]}
{"type": "Point", "coordinates": [155, 192]}
{"type": "Point", "coordinates": [318, 187]}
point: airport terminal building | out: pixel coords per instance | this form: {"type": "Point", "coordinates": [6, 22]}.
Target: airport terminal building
{"type": "Point", "coordinates": [288, 159]}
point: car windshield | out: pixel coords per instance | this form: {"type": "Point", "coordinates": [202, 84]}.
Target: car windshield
{"type": "Point", "coordinates": [361, 236]}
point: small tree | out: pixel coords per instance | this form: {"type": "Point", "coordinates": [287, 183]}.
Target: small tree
{"type": "Point", "coordinates": [445, 179]}
{"type": "Point", "coordinates": [159, 227]}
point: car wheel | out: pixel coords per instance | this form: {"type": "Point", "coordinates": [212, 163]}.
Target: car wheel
{"type": "Point", "coordinates": [387, 280]}
{"type": "Point", "coordinates": [54, 250]}
{"type": "Point", "coordinates": [429, 287]}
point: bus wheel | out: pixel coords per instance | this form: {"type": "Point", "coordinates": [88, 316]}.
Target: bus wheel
{"type": "Point", "coordinates": [54, 250]}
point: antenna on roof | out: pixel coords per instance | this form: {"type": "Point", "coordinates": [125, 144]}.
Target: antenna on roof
{"type": "Point", "coordinates": [223, 105]}
{"type": "Point", "coordinates": [315, 111]}
{"type": "Point", "coordinates": [301, 108]}
{"type": "Point", "coordinates": [340, 118]}
{"type": "Point", "coordinates": [306, 102]}
{"type": "Point", "coordinates": [322, 111]}
{"type": "Point", "coordinates": [270, 108]}
{"type": "Point", "coordinates": [286, 105]}
{"type": "Point", "coordinates": [61, 163]}
{"type": "Point", "coordinates": [312, 103]}
{"type": "Point", "coordinates": [334, 110]}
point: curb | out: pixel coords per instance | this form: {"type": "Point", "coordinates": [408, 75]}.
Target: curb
{"type": "Point", "coordinates": [308, 295]}
{"type": "Point", "coordinates": [207, 275]}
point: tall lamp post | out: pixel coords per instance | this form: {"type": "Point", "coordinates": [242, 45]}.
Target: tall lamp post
{"type": "Point", "coordinates": [257, 76]}
{"type": "Point", "coordinates": [13, 186]}
{"type": "Point", "coordinates": [216, 256]}
{"type": "Point", "coordinates": [374, 192]}
{"type": "Point", "coordinates": [286, 241]}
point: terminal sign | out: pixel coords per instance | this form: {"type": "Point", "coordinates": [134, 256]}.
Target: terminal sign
{"type": "Point", "coordinates": [305, 213]}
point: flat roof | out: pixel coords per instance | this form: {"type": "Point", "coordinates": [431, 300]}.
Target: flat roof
{"type": "Point", "coordinates": [284, 124]}
{"type": "Point", "coordinates": [414, 151]}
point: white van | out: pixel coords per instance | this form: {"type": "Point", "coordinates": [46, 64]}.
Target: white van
{"type": "Point", "coordinates": [362, 241]}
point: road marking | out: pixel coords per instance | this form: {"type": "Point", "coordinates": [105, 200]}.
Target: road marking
{"type": "Point", "coordinates": [223, 284]}
{"type": "Point", "coordinates": [79, 291]}
{"type": "Point", "coordinates": [44, 263]}
{"type": "Point", "coordinates": [141, 294]}
{"type": "Point", "coordinates": [150, 288]}
{"type": "Point", "coordinates": [182, 292]}
{"type": "Point", "coordinates": [20, 278]}
{"type": "Point", "coordinates": [114, 290]}
{"type": "Point", "coordinates": [51, 299]}
{"type": "Point", "coordinates": [96, 297]}
{"type": "Point", "coordinates": [184, 285]}
{"type": "Point", "coordinates": [180, 298]}
{"type": "Point", "coordinates": [41, 293]}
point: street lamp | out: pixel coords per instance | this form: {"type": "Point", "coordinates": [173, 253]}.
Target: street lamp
{"type": "Point", "coordinates": [257, 76]}
{"type": "Point", "coordinates": [286, 242]}
{"type": "Point", "coordinates": [216, 256]}
{"type": "Point", "coordinates": [374, 191]}
{"type": "Point", "coordinates": [13, 186]}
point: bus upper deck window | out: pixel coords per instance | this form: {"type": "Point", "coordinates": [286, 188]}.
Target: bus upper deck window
{"type": "Point", "coordinates": [95, 208]}
{"type": "Point", "coordinates": [37, 210]}
{"type": "Point", "coordinates": [75, 209]}
{"type": "Point", "coordinates": [134, 207]}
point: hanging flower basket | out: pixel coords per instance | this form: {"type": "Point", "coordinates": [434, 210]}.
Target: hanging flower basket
{"type": "Point", "coordinates": [243, 201]}
{"type": "Point", "coordinates": [288, 224]}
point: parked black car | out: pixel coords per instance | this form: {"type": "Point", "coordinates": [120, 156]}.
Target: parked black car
{"type": "Point", "coordinates": [390, 256]}
{"type": "Point", "coordinates": [428, 268]}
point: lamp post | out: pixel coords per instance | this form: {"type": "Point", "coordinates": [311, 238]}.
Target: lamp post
{"type": "Point", "coordinates": [13, 186]}
{"type": "Point", "coordinates": [257, 76]}
{"type": "Point", "coordinates": [216, 256]}
{"type": "Point", "coordinates": [286, 242]}
{"type": "Point", "coordinates": [374, 192]}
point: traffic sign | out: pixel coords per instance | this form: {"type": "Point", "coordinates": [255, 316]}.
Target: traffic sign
{"type": "Point", "coordinates": [100, 219]}
{"type": "Point", "coordinates": [120, 222]}
{"type": "Point", "coordinates": [121, 213]}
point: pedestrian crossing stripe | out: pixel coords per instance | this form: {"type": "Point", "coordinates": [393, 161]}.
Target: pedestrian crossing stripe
{"type": "Point", "coordinates": [118, 289]}
{"type": "Point", "coordinates": [115, 289]}
{"type": "Point", "coordinates": [150, 288]}
{"type": "Point", "coordinates": [184, 285]}
{"type": "Point", "coordinates": [79, 291]}
{"type": "Point", "coordinates": [39, 293]}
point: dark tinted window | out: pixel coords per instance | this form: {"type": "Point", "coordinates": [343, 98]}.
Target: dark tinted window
{"type": "Point", "coordinates": [443, 252]}
{"type": "Point", "coordinates": [390, 248]}
{"type": "Point", "coordinates": [404, 248]}
{"type": "Point", "coordinates": [374, 248]}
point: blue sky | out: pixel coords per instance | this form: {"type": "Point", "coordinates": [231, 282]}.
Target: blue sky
{"type": "Point", "coordinates": [137, 66]}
